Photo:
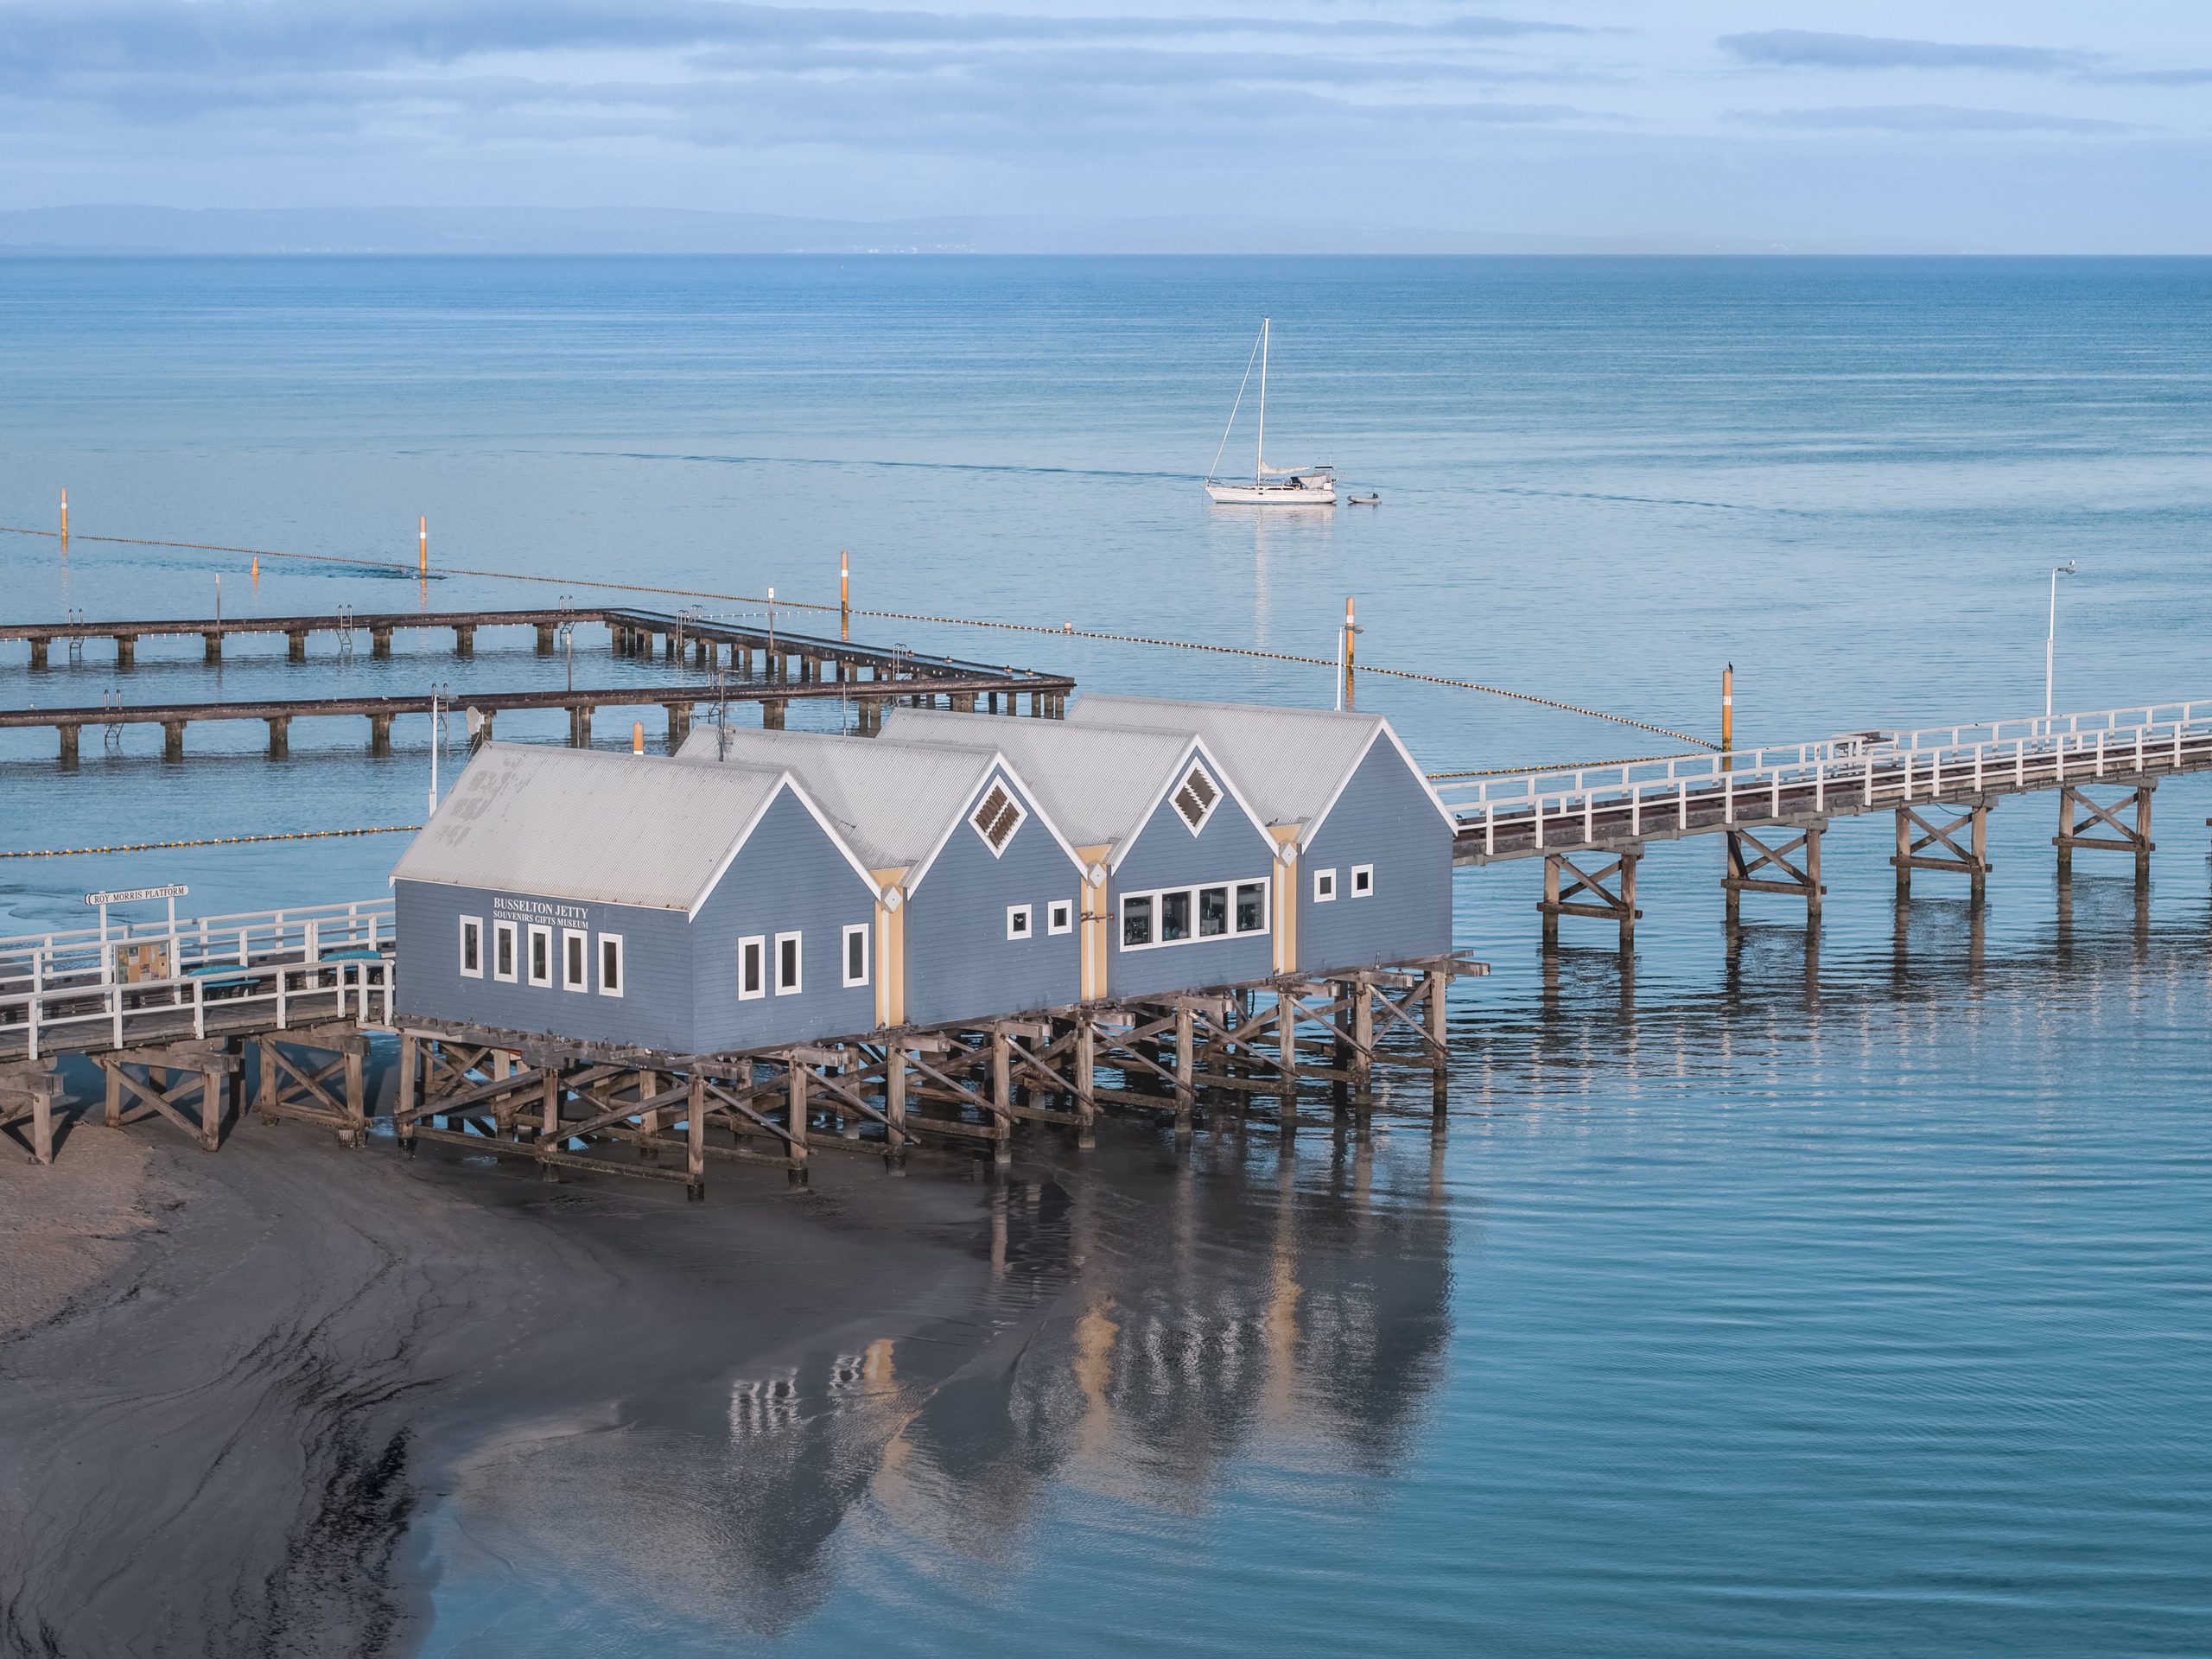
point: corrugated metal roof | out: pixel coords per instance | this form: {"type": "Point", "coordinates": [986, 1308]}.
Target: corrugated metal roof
{"type": "Point", "coordinates": [583, 824]}
{"type": "Point", "coordinates": [892, 800]}
{"type": "Point", "coordinates": [1093, 780]}
{"type": "Point", "coordinates": [1287, 762]}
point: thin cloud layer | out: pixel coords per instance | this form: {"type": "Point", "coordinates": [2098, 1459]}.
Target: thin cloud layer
{"type": "Point", "coordinates": [1926, 118]}
{"type": "Point", "coordinates": [1808, 48]}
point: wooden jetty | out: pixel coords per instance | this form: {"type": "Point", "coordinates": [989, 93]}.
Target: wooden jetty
{"type": "Point", "coordinates": [681, 700]}
{"type": "Point", "coordinates": [168, 1011]}
{"type": "Point", "coordinates": [631, 632]}
{"type": "Point", "coordinates": [1591, 826]}
{"type": "Point", "coordinates": [766, 665]}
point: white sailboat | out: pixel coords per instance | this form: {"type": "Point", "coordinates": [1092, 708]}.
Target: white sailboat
{"type": "Point", "coordinates": [1271, 486]}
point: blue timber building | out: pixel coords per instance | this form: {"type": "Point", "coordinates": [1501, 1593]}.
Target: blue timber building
{"type": "Point", "coordinates": [1363, 840]}
{"type": "Point", "coordinates": [1181, 891]}
{"type": "Point", "coordinates": [979, 892]}
{"type": "Point", "coordinates": [634, 902]}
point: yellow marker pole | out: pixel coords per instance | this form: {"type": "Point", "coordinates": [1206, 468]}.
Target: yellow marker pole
{"type": "Point", "coordinates": [844, 595]}
{"type": "Point", "coordinates": [637, 737]}
{"type": "Point", "coordinates": [1351, 632]}
{"type": "Point", "coordinates": [65, 521]}
{"type": "Point", "coordinates": [1727, 714]}
{"type": "Point", "coordinates": [256, 570]}
{"type": "Point", "coordinates": [423, 545]}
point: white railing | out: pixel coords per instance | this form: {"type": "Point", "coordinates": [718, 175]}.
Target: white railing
{"type": "Point", "coordinates": [1854, 772]}
{"type": "Point", "coordinates": [87, 987]}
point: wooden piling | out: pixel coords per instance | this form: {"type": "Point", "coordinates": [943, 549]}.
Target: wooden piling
{"type": "Point", "coordinates": [695, 1139]}
{"type": "Point", "coordinates": [796, 1173]}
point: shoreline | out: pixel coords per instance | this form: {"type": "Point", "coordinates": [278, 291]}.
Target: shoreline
{"type": "Point", "coordinates": [233, 1431]}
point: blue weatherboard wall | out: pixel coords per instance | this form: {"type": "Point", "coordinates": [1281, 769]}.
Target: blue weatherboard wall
{"type": "Point", "coordinates": [1167, 854]}
{"type": "Point", "coordinates": [960, 964]}
{"type": "Point", "coordinates": [654, 1010]}
{"type": "Point", "coordinates": [789, 875]}
{"type": "Point", "coordinates": [1384, 817]}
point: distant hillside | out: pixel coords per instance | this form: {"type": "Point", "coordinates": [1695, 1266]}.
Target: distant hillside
{"type": "Point", "coordinates": [138, 230]}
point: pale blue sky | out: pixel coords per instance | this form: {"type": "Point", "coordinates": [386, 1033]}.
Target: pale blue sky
{"type": "Point", "coordinates": [2024, 125]}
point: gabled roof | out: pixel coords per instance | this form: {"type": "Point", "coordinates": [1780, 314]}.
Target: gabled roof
{"type": "Point", "coordinates": [896, 802]}
{"type": "Point", "coordinates": [1101, 783]}
{"type": "Point", "coordinates": [1293, 763]}
{"type": "Point", "coordinates": [588, 824]}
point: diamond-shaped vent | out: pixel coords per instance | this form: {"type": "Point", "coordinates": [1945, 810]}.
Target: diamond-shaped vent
{"type": "Point", "coordinates": [1196, 797]}
{"type": "Point", "coordinates": [997, 818]}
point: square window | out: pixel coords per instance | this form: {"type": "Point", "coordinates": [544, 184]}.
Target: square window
{"type": "Point", "coordinates": [1251, 906]}
{"type": "Point", "coordinates": [753, 968]}
{"type": "Point", "coordinates": [541, 954]}
{"type": "Point", "coordinates": [1059, 917]}
{"type": "Point", "coordinates": [610, 964]}
{"type": "Point", "coordinates": [575, 956]}
{"type": "Point", "coordinates": [503, 952]}
{"type": "Point", "coordinates": [856, 938]}
{"type": "Point", "coordinates": [1174, 917]}
{"type": "Point", "coordinates": [787, 964]}
{"type": "Point", "coordinates": [472, 947]}
{"type": "Point", "coordinates": [1324, 886]}
{"type": "Point", "coordinates": [1136, 921]}
{"type": "Point", "coordinates": [1363, 881]}
{"type": "Point", "coordinates": [1213, 912]}
{"type": "Point", "coordinates": [1017, 921]}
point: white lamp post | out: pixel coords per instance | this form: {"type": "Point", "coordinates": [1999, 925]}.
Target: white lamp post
{"type": "Point", "coordinates": [2051, 638]}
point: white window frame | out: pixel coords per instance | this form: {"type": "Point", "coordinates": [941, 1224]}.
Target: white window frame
{"type": "Point", "coordinates": [1212, 783]}
{"type": "Point", "coordinates": [999, 786]}
{"type": "Point", "coordinates": [1059, 916]}
{"type": "Point", "coordinates": [1153, 899]}
{"type": "Point", "coordinates": [472, 927]}
{"type": "Point", "coordinates": [1325, 886]}
{"type": "Point", "coordinates": [798, 964]}
{"type": "Point", "coordinates": [861, 930]}
{"type": "Point", "coordinates": [1028, 915]}
{"type": "Point", "coordinates": [1363, 881]}
{"type": "Point", "coordinates": [1267, 908]}
{"type": "Point", "coordinates": [511, 935]}
{"type": "Point", "coordinates": [621, 965]}
{"type": "Point", "coordinates": [536, 931]}
{"type": "Point", "coordinates": [752, 942]}
{"type": "Point", "coordinates": [575, 951]}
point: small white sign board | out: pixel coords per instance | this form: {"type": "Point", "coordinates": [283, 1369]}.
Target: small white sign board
{"type": "Point", "coordinates": [132, 895]}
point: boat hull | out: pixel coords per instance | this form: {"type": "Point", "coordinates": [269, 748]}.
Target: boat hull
{"type": "Point", "coordinates": [1270, 495]}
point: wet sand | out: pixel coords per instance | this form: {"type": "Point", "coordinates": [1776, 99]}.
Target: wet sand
{"type": "Point", "coordinates": [233, 1385]}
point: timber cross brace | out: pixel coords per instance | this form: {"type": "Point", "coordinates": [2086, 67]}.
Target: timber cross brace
{"type": "Point", "coordinates": [2125, 837]}
{"type": "Point", "coordinates": [1614, 903]}
{"type": "Point", "coordinates": [289, 1086]}
{"type": "Point", "coordinates": [28, 1096]}
{"type": "Point", "coordinates": [1748, 856]}
{"type": "Point", "coordinates": [967, 1086]}
{"type": "Point", "coordinates": [165, 1082]}
{"type": "Point", "coordinates": [1921, 829]}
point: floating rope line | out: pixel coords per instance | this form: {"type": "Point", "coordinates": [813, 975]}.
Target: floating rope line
{"type": "Point", "coordinates": [1065, 631]}
{"type": "Point", "coordinates": [1570, 766]}
{"type": "Point", "coordinates": [211, 841]}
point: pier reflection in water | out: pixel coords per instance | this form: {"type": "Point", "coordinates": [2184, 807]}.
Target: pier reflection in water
{"type": "Point", "coordinates": [1143, 1328]}
{"type": "Point", "coordinates": [1855, 1285]}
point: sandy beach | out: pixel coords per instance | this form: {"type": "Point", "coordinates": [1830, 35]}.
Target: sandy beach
{"type": "Point", "coordinates": [231, 1384]}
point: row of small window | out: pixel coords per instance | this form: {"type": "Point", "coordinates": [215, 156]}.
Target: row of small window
{"type": "Point", "coordinates": [1227, 910]}
{"type": "Point", "coordinates": [1324, 883]}
{"type": "Point", "coordinates": [520, 950]}
{"type": "Point", "coordinates": [760, 969]}
{"type": "Point", "coordinates": [525, 951]}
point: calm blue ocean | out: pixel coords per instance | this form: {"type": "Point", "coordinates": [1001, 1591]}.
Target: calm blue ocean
{"type": "Point", "coordinates": [1767, 1295]}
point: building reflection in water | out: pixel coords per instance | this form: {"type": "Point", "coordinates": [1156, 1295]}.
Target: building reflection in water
{"type": "Point", "coordinates": [1138, 1329]}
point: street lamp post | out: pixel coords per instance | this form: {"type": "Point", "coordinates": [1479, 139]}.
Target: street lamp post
{"type": "Point", "coordinates": [2050, 637]}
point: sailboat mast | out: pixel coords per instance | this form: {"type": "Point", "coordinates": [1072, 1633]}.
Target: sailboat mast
{"type": "Point", "coordinates": [1260, 454]}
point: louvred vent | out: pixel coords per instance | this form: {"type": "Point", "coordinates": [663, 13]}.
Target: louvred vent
{"type": "Point", "coordinates": [1196, 797]}
{"type": "Point", "coordinates": [997, 818]}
